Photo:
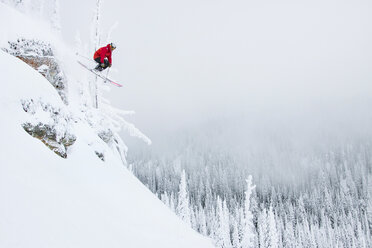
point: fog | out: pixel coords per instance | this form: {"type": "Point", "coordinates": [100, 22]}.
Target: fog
{"type": "Point", "coordinates": [245, 69]}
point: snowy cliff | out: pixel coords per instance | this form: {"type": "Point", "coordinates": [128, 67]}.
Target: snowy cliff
{"type": "Point", "coordinates": [63, 182]}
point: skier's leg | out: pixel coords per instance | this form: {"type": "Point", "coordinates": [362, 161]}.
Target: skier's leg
{"type": "Point", "coordinates": [98, 67]}
{"type": "Point", "coordinates": [106, 63]}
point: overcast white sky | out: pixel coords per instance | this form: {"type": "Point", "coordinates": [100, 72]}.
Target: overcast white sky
{"type": "Point", "coordinates": [186, 61]}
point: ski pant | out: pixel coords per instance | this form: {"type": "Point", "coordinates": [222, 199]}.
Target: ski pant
{"type": "Point", "coordinates": [105, 61]}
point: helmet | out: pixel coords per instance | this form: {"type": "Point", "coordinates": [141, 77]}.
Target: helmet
{"type": "Point", "coordinates": [113, 46]}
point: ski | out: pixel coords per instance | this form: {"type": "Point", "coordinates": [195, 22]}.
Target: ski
{"type": "Point", "coordinates": [99, 75]}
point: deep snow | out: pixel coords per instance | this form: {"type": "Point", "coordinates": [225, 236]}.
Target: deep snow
{"type": "Point", "coordinates": [81, 201]}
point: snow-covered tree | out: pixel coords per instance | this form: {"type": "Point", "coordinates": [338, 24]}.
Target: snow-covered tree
{"type": "Point", "coordinates": [96, 32]}
{"type": "Point", "coordinates": [172, 205]}
{"type": "Point", "coordinates": [235, 234]}
{"type": "Point", "coordinates": [222, 235]}
{"type": "Point", "coordinates": [183, 209]}
{"type": "Point", "coordinates": [95, 43]}
{"type": "Point", "coordinates": [202, 222]}
{"type": "Point", "coordinates": [262, 229]}
{"type": "Point", "coordinates": [247, 230]}
{"type": "Point", "coordinates": [164, 198]}
{"type": "Point", "coordinates": [369, 206]}
{"type": "Point", "coordinates": [56, 18]}
{"type": "Point", "coordinates": [289, 240]}
{"type": "Point", "coordinates": [272, 230]}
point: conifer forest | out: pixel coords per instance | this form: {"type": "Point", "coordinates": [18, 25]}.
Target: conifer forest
{"type": "Point", "coordinates": [283, 195]}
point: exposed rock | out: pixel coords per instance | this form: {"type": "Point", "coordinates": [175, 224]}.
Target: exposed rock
{"type": "Point", "coordinates": [53, 129]}
{"type": "Point", "coordinates": [106, 135]}
{"type": "Point", "coordinates": [48, 136]}
{"type": "Point", "coordinates": [39, 55]}
{"type": "Point", "coordinates": [100, 155]}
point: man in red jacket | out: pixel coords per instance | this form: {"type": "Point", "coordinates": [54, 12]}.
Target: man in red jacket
{"type": "Point", "coordinates": [103, 56]}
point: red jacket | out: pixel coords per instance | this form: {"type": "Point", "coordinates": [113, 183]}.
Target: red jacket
{"type": "Point", "coordinates": [103, 52]}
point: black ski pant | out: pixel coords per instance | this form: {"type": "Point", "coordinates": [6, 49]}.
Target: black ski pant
{"type": "Point", "coordinates": [105, 61]}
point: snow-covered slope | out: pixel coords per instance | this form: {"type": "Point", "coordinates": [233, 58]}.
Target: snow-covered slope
{"type": "Point", "coordinates": [80, 201]}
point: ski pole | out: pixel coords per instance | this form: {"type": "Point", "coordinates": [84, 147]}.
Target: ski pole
{"type": "Point", "coordinates": [107, 73]}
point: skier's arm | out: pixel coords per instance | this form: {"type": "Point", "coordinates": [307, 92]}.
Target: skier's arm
{"type": "Point", "coordinates": [102, 55]}
{"type": "Point", "coordinates": [109, 59]}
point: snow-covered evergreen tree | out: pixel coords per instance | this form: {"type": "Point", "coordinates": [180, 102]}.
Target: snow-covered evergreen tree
{"type": "Point", "coordinates": [369, 207]}
{"type": "Point", "coordinates": [247, 230]}
{"type": "Point", "coordinates": [235, 234]}
{"type": "Point", "coordinates": [202, 222]}
{"type": "Point", "coordinates": [222, 235]}
{"type": "Point", "coordinates": [164, 198]}
{"type": "Point", "coordinates": [262, 228]}
{"type": "Point", "coordinates": [289, 240]}
{"type": "Point", "coordinates": [183, 209]}
{"type": "Point", "coordinates": [172, 205]}
{"type": "Point", "coordinates": [273, 239]}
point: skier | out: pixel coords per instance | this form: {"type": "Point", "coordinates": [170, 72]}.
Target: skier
{"type": "Point", "coordinates": [103, 56]}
